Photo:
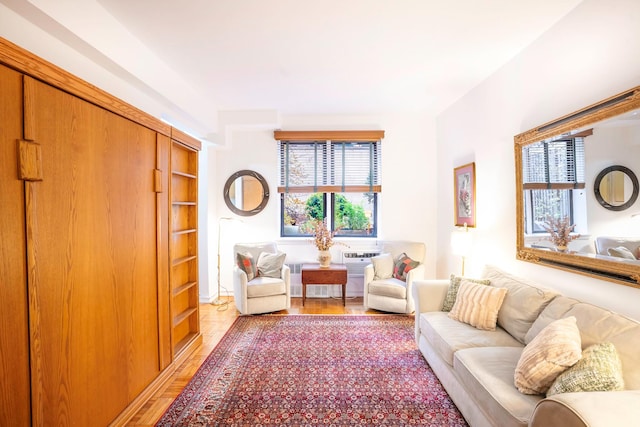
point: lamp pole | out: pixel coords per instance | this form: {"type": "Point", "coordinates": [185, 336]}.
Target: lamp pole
{"type": "Point", "coordinates": [218, 301]}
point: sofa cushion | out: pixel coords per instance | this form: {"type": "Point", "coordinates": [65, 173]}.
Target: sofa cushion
{"type": "Point", "coordinates": [382, 266]}
{"type": "Point", "coordinates": [452, 291]}
{"type": "Point", "coordinates": [598, 325]}
{"type": "Point", "coordinates": [487, 373]}
{"type": "Point", "coordinates": [393, 288]}
{"type": "Point", "coordinates": [522, 304]}
{"type": "Point", "coordinates": [556, 348]}
{"type": "Point", "coordinates": [448, 336]}
{"type": "Point", "coordinates": [478, 305]}
{"type": "Point", "coordinates": [599, 369]}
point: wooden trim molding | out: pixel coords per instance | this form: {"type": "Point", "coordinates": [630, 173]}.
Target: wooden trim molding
{"type": "Point", "coordinates": [324, 135]}
{"type": "Point", "coordinates": [24, 61]}
{"type": "Point", "coordinates": [185, 139]}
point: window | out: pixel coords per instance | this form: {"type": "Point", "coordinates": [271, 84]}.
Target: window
{"type": "Point", "coordinates": [332, 175]}
{"type": "Point", "coordinates": [552, 170]}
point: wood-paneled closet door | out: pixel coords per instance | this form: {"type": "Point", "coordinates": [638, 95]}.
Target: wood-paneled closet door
{"type": "Point", "coordinates": [92, 257]}
{"type": "Point", "coordinates": [14, 335]}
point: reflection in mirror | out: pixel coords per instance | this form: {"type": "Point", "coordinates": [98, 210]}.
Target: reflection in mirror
{"type": "Point", "coordinates": [246, 193]}
{"type": "Point", "coordinates": [616, 188]}
{"type": "Point", "coordinates": [560, 175]}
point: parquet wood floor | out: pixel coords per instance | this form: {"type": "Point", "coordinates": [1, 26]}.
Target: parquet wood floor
{"type": "Point", "coordinates": [214, 322]}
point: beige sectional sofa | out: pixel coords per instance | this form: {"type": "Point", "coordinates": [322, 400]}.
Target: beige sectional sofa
{"type": "Point", "coordinates": [477, 367]}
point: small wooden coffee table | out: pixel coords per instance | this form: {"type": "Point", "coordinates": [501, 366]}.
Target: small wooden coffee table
{"type": "Point", "coordinates": [313, 274]}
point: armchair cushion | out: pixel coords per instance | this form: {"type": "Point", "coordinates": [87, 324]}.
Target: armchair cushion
{"type": "Point", "coordinates": [265, 286]}
{"type": "Point", "coordinates": [270, 264]}
{"type": "Point", "coordinates": [247, 264]}
{"type": "Point", "coordinates": [402, 265]}
{"type": "Point", "coordinates": [391, 287]}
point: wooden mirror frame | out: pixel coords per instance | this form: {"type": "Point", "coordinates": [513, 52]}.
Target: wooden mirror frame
{"type": "Point", "coordinates": [586, 264]}
{"type": "Point", "coordinates": [265, 193]}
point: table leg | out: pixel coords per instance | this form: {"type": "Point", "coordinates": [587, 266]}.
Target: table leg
{"type": "Point", "coordinates": [344, 294]}
{"type": "Point", "coordinates": [304, 292]}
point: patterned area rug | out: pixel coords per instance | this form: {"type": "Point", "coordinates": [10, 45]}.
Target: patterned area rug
{"type": "Point", "coordinates": [308, 370]}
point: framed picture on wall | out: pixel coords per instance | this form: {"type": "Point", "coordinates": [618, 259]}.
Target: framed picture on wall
{"type": "Point", "coordinates": [464, 187]}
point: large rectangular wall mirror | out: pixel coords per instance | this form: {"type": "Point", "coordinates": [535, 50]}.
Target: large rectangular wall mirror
{"type": "Point", "coordinates": [577, 191]}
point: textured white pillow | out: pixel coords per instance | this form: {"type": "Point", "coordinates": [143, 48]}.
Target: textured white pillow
{"type": "Point", "coordinates": [477, 304]}
{"type": "Point", "coordinates": [270, 264]}
{"type": "Point", "coordinates": [621, 252]}
{"type": "Point", "coordinates": [382, 266]}
{"type": "Point", "coordinates": [556, 348]}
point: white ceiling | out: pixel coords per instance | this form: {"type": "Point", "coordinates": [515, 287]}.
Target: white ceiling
{"type": "Point", "coordinates": [303, 56]}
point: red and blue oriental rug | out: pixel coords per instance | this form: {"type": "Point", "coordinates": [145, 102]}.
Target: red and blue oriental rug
{"type": "Point", "coordinates": [309, 370]}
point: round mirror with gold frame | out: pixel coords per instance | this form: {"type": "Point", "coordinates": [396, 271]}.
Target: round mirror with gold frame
{"type": "Point", "coordinates": [246, 193]}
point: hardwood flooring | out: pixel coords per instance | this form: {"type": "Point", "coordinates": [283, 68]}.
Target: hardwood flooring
{"type": "Point", "coordinates": [214, 322]}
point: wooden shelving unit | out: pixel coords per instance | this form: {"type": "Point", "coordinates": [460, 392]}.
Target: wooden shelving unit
{"type": "Point", "coordinates": [184, 246]}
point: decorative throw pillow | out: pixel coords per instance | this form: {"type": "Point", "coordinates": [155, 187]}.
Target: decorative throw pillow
{"type": "Point", "coordinates": [270, 264]}
{"type": "Point", "coordinates": [402, 265]}
{"type": "Point", "coordinates": [477, 305]}
{"type": "Point", "coordinates": [452, 291]}
{"type": "Point", "coordinates": [247, 264]}
{"type": "Point", "coordinates": [599, 369]}
{"type": "Point", "coordinates": [621, 252]}
{"type": "Point", "coordinates": [382, 266]}
{"type": "Point", "coordinates": [556, 348]}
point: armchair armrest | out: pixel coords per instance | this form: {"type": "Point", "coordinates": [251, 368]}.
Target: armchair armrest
{"type": "Point", "coordinates": [413, 275]}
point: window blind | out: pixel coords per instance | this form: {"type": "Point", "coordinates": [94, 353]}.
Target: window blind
{"type": "Point", "coordinates": [329, 166]}
{"type": "Point", "coordinates": [557, 164]}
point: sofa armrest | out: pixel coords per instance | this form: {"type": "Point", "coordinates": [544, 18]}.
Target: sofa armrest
{"type": "Point", "coordinates": [428, 295]}
{"type": "Point", "coordinates": [592, 409]}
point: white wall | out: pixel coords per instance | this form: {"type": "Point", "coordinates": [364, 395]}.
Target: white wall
{"type": "Point", "coordinates": [407, 205]}
{"type": "Point", "coordinates": [590, 55]}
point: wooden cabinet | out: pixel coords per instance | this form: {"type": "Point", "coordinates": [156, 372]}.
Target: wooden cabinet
{"type": "Point", "coordinates": [184, 245]}
{"type": "Point", "coordinates": [14, 331]}
{"type": "Point", "coordinates": [98, 246]}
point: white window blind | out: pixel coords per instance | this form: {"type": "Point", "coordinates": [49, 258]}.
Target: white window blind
{"type": "Point", "coordinates": [557, 164]}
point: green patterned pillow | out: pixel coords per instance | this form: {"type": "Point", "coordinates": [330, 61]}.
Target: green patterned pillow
{"type": "Point", "coordinates": [599, 369]}
{"type": "Point", "coordinates": [452, 292]}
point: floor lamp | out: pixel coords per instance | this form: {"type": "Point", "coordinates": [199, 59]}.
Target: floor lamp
{"type": "Point", "coordinates": [461, 243]}
{"type": "Point", "coordinates": [218, 301]}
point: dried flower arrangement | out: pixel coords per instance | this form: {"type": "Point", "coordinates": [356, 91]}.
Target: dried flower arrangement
{"type": "Point", "coordinates": [322, 237]}
{"type": "Point", "coordinates": [559, 230]}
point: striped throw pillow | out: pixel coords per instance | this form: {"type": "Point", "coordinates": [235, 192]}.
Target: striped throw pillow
{"type": "Point", "coordinates": [478, 305]}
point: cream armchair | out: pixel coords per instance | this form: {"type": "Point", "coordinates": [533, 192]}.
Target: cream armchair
{"type": "Point", "coordinates": [261, 282]}
{"type": "Point", "coordinates": [384, 292]}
